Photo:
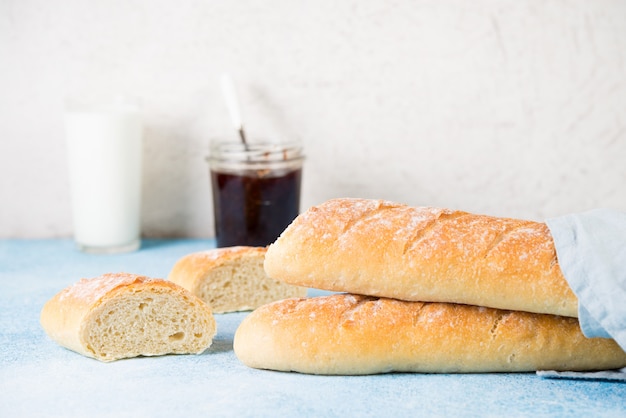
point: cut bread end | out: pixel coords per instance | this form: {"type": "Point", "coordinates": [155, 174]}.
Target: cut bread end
{"type": "Point", "coordinates": [231, 279]}
{"type": "Point", "coordinates": [120, 316]}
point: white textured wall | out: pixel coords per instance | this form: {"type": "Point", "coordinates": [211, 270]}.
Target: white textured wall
{"type": "Point", "coordinates": [513, 108]}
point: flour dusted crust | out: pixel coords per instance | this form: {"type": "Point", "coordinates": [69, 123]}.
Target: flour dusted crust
{"type": "Point", "coordinates": [386, 249]}
{"type": "Point", "coordinates": [124, 315]}
{"type": "Point", "coordinates": [353, 335]}
{"type": "Point", "coordinates": [231, 279]}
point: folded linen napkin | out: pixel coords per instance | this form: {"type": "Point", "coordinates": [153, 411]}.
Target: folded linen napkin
{"type": "Point", "coordinates": [591, 248]}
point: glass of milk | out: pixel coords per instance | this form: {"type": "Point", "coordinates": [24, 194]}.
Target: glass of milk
{"type": "Point", "coordinates": [104, 145]}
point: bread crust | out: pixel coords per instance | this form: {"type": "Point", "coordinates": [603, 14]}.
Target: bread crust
{"type": "Point", "coordinates": [68, 316]}
{"type": "Point", "coordinates": [385, 249]}
{"type": "Point", "coordinates": [190, 270]}
{"type": "Point", "coordinates": [196, 272]}
{"type": "Point", "coordinates": [352, 335]}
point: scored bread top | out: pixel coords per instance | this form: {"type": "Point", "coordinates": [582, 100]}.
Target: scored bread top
{"type": "Point", "coordinates": [386, 249]}
{"type": "Point", "coordinates": [354, 334]}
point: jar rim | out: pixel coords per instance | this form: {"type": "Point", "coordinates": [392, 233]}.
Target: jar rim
{"type": "Point", "coordinates": [255, 152]}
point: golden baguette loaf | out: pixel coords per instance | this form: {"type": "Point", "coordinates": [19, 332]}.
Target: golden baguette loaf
{"type": "Point", "coordinates": [380, 248]}
{"type": "Point", "coordinates": [231, 279]}
{"type": "Point", "coordinates": [124, 315]}
{"type": "Point", "coordinates": [353, 335]}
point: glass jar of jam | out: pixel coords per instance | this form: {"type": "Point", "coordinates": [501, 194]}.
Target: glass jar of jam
{"type": "Point", "coordinates": [256, 190]}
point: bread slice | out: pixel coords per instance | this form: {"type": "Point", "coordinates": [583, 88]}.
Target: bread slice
{"type": "Point", "coordinates": [385, 249]}
{"type": "Point", "coordinates": [231, 279]}
{"type": "Point", "coordinates": [353, 335]}
{"type": "Point", "coordinates": [122, 315]}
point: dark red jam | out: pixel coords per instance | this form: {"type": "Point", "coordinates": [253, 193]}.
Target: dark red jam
{"type": "Point", "coordinates": [254, 208]}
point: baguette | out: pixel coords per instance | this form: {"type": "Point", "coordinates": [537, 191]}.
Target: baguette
{"type": "Point", "coordinates": [231, 279]}
{"type": "Point", "coordinates": [345, 334]}
{"type": "Point", "coordinates": [122, 315]}
{"type": "Point", "coordinates": [384, 249]}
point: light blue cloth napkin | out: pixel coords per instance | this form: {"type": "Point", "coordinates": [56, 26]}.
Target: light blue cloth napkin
{"type": "Point", "coordinates": [591, 248]}
{"type": "Point", "coordinates": [609, 375]}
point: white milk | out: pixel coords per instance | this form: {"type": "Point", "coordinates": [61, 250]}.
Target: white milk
{"type": "Point", "coordinates": [104, 153]}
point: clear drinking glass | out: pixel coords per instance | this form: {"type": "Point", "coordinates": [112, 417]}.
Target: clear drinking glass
{"type": "Point", "coordinates": [104, 145]}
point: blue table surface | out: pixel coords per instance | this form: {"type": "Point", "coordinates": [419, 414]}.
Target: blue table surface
{"type": "Point", "coordinates": [39, 378]}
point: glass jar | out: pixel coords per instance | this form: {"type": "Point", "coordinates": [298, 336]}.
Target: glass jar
{"type": "Point", "coordinates": [256, 190]}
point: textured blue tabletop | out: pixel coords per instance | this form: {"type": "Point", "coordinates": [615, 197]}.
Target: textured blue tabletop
{"type": "Point", "coordinates": [39, 378]}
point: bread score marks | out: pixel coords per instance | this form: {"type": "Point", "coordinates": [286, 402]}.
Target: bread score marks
{"type": "Point", "coordinates": [354, 335]}
{"type": "Point", "coordinates": [431, 231]}
{"type": "Point", "coordinates": [338, 217]}
{"type": "Point", "coordinates": [385, 249]}
{"type": "Point", "coordinates": [121, 315]}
